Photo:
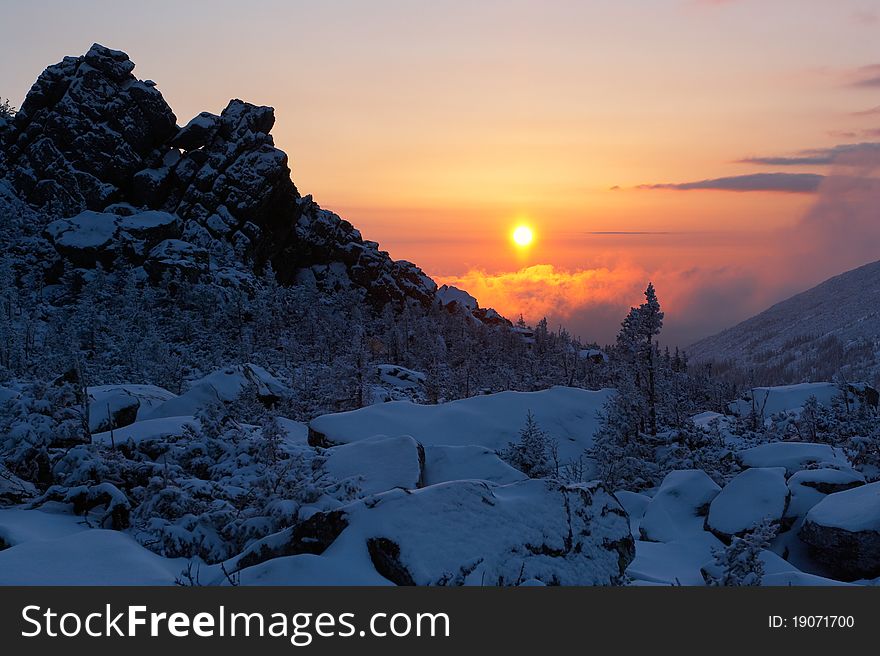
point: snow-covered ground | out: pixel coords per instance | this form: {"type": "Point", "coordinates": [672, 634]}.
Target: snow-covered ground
{"type": "Point", "coordinates": [430, 500]}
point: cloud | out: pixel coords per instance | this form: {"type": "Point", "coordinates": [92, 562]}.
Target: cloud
{"type": "Point", "coordinates": [865, 17]}
{"type": "Point", "coordinates": [841, 230]}
{"type": "Point", "coordinates": [868, 112]}
{"type": "Point", "coordinates": [866, 76]}
{"type": "Point", "coordinates": [814, 156]}
{"type": "Point", "coordinates": [778, 182]}
{"type": "Point", "coordinates": [545, 290]}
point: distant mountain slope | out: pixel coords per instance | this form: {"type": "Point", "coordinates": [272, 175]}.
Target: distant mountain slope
{"type": "Point", "coordinates": [829, 329]}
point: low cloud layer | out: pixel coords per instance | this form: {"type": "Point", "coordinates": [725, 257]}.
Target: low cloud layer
{"type": "Point", "coordinates": [817, 156]}
{"type": "Point", "coordinates": [793, 183]}
{"type": "Point", "coordinates": [867, 76]}
{"type": "Point", "coordinates": [839, 232]}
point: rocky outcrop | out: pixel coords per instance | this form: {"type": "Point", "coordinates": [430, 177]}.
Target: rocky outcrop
{"type": "Point", "coordinates": [85, 128]}
{"type": "Point", "coordinates": [92, 137]}
{"type": "Point", "coordinates": [843, 532]}
{"type": "Point", "coordinates": [468, 532]}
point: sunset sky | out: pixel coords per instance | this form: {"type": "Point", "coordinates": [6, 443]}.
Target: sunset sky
{"type": "Point", "coordinates": [633, 136]}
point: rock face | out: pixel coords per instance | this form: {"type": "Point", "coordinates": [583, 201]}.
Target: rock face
{"type": "Point", "coordinates": [468, 532]}
{"type": "Point", "coordinates": [92, 137]}
{"type": "Point", "coordinates": [843, 532]}
{"type": "Point", "coordinates": [86, 127]}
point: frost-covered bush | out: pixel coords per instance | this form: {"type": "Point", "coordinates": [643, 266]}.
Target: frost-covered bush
{"type": "Point", "coordinates": [532, 453]}
{"type": "Point", "coordinates": [695, 447]}
{"type": "Point", "coordinates": [42, 417]}
{"type": "Point", "coordinates": [740, 562]}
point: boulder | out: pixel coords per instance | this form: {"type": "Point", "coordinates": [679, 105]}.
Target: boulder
{"type": "Point", "coordinates": [112, 410]}
{"type": "Point", "coordinates": [810, 486]}
{"type": "Point", "coordinates": [177, 259]}
{"type": "Point", "coordinates": [843, 532]}
{"type": "Point", "coordinates": [222, 386]}
{"type": "Point", "coordinates": [470, 533]}
{"type": "Point", "coordinates": [752, 496]}
{"type": "Point", "coordinates": [377, 464]}
{"type": "Point", "coordinates": [794, 456]}
{"type": "Point", "coordinates": [14, 489]}
{"type": "Point", "coordinates": [461, 463]}
{"type": "Point", "coordinates": [679, 507]}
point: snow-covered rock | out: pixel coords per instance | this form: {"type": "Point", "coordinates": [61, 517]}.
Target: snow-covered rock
{"type": "Point", "coordinates": [145, 431]}
{"type": "Point", "coordinates": [222, 386]}
{"type": "Point", "coordinates": [112, 409]}
{"type": "Point", "coordinates": [148, 396]}
{"type": "Point", "coordinates": [455, 297]}
{"type": "Point", "coordinates": [470, 533]}
{"type": "Point", "coordinates": [462, 463]}
{"type": "Point", "coordinates": [14, 489]}
{"type": "Point", "coordinates": [767, 401]}
{"type": "Point", "coordinates": [679, 507]}
{"type": "Point", "coordinates": [634, 504]}
{"type": "Point", "coordinates": [378, 464]}
{"type": "Point", "coordinates": [568, 415]}
{"type": "Point", "coordinates": [752, 496]}
{"type": "Point", "coordinates": [810, 486]}
{"type": "Point", "coordinates": [843, 532]}
{"type": "Point", "coordinates": [794, 456]}
{"type": "Point", "coordinates": [674, 563]}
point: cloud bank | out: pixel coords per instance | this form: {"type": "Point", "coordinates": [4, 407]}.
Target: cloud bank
{"type": "Point", "coordinates": [793, 183]}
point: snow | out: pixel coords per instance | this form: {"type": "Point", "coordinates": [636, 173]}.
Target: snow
{"type": "Point", "coordinates": [469, 533]}
{"type": "Point", "coordinates": [705, 419]}
{"type": "Point", "coordinates": [784, 398]}
{"type": "Point", "coordinates": [567, 414]}
{"type": "Point", "coordinates": [142, 431]}
{"type": "Point", "coordinates": [51, 521]}
{"type": "Point", "coordinates": [678, 509]}
{"type": "Point", "coordinates": [750, 497]}
{"type": "Point", "coordinates": [400, 377]}
{"type": "Point", "coordinates": [793, 456]}
{"type": "Point", "coordinates": [674, 563]}
{"type": "Point", "coordinates": [376, 464]}
{"type": "Point", "coordinates": [447, 295]}
{"type": "Point", "coordinates": [592, 354]}
{"type": "Point", "coordinates": [146, 221]}
{"type": "Point", "coordinates": [224, 385]}
{"type": "Point", "coordinates": [85, 230]}
{"type": "Point", "coordinates": [461, 463]}
{"type": "Point", "coordinates": [105, 407]}
{"type": "Point", "coordinates": [634, 504]}
{"type": "Point", "coordinates": [805, 492]}
{"type": "Point", "coordinates": [149, 396]}
{"type": "Point", "coordinates": [852, 510]}
{"type": "Point", "coordinates": [90, 557]}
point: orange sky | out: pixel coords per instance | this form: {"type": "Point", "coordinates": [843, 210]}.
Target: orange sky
{"type": "Point", "coordinates": [434, 127]}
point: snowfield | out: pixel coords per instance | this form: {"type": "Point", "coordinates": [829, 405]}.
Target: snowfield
{"type": "Point", "coordinates": [568, 415]}
{"type": "Point", "coordinates": [420, 494]}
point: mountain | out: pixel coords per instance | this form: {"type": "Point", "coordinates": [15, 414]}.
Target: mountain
{"type": "Point", "coordinates": [827, 330]}
{"type": "Point", "coordinates": [91, 137]}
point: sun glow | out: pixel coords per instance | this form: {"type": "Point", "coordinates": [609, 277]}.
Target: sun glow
{"type": "Point", "coordinates": [523, 236]}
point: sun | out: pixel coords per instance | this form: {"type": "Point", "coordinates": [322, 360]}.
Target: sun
{"type": "Point", "coordinates": [523, 236]}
